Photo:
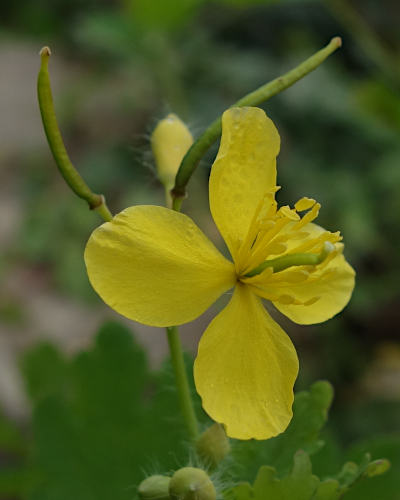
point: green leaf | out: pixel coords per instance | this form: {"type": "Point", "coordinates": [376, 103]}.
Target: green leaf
{"type": "Point", "coordinates": [11, 439]}
{"type": "Point", "coordinates": [327, 490]}
{"type": "Point", "coordinates": [15, 474]}
{"type": "Point", "coordinates": [45, 371]}
{"type": "Point", "coordinates": [101, 421]}
{"type": "Point", "coordinates": [15, 481]}
{"type": "Point", "coordinates": [384, 487]}
{"type": "Point", "coordinates": [302, 484]}
{"type": "Point", "coordinates": [377, 467]}
{"type": "Point", "coordinates": [309, 415]}
{"type": "Point", "coordinates": [351, 473]}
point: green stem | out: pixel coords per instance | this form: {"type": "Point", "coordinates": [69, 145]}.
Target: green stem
{"type": "Point", "coordinates": [178, 363]}
{"type": "Point", "coordinates": [68, 171]}
{"type": "Point", "coordinates": [262, 94]}
{"type": "Point", "coordinates": [177, 204]}
{"type": "Point", "coordinates": [182, 383]}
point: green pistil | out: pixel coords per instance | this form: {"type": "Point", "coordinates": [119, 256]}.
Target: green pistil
{"type": "Point", "coordinates": [294, 259]}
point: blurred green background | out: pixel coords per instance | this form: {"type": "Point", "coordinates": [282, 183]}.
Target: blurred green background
{"type": "Point", "coordinates": [118, 67]}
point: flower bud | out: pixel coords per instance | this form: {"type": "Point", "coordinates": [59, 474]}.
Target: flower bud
{"type": "Point", "coordinates": [213, 445]}
{"type": "Point", "coordinates": [154, 488]}
{"type": "Point", "coordinates": [170, 141]}
{"type": "Point", "coordinates": [191, 483]}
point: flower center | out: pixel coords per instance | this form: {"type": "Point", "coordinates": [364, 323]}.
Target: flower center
{"type": "Point", "coordinates": [283, 233]}
{"type": "Point", "coordinates": [295, 259]}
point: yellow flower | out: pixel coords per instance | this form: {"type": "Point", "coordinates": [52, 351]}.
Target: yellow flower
{"type": "Point", "coordinates": [155, 266]}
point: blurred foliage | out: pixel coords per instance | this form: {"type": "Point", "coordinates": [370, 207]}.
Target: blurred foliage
{"type": "Point", "coordinates": [102, 422]}
{"type": "Point", "coordinates": [301, 484]}
{"type": "Point", "coordinates": [132, 62]}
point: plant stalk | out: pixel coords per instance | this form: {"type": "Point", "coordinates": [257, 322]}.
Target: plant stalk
{"type": "Point", "coordinates": [262, 94]}
{"type": "Point", "coordinates": [182, 384]}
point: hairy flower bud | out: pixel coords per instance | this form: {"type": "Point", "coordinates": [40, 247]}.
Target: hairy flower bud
{"type": "Point", "coordinates": [213, 445]}
{"type": "Point", "coordinates": [191, 483]}
{"type": "Point", "coordinates": [170, 141]}
{"type": "Point", "coordinates": [154, 488]}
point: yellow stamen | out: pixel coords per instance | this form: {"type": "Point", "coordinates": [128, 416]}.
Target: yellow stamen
{"type": "Point", "coordinates": [311, 244]}
{"type": "Point", "coordinates": [276, 248]}
{"type": "Point", "coordinates": [261, 249]}
{"type": "Point", "coordinates": [251, 233]}
{"type": "Point", "coordinates": [288, 212]}
{"type": "Point", "coordinates": [304, 204]}
{"type": "Point", "coordinates": [308, 217]}
{"type": "Point", "coordinates": [298, 235]}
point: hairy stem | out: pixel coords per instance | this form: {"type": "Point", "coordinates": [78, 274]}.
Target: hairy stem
{"type": "Point", "coordinates": [178, 363]}
{"type": "Point", "coordinates": [182, 384]}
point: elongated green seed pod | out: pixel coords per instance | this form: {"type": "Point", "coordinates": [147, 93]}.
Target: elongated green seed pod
{"type": "Point", "coordinates": [56, 144]}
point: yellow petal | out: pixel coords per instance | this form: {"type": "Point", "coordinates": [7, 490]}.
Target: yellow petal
{"type": "Point", "coordinates": [245, 369]}
{"type": "Point", "coordinates": [243, 172]}
{"type": "Point", "coordinates": [325, 291]}
{"type": "Point", "coordinates": [155, 266]}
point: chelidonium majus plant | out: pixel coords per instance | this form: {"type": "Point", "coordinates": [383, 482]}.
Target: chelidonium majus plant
{"type": "Point", "coordinates": [246, 365]}
{"type": "Point", "coordinates": [152, 264]}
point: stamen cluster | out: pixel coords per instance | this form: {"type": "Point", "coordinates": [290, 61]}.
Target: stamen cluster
{"type": "Point", "coordinates": [274, 232]}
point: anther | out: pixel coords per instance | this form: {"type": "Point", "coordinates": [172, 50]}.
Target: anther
{"type": "Point", "coordinates": [308, 217]}
{"type": "Point", "coordinates": [304, 204]}
{"type": "Point", "coordinates": [276, 248]}
{"type": "Point", "coordinates": [288, 212]}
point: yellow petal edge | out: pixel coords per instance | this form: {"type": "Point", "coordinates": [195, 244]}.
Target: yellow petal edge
{"type": "Point", "coordinates": [245, 369]}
